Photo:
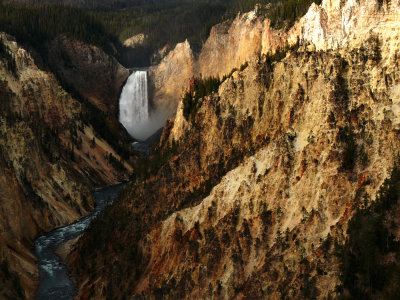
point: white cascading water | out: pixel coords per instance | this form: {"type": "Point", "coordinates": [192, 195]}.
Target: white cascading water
{"type": "Point", "coordinates": [134, 105]}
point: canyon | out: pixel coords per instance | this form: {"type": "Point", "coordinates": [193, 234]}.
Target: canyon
{"type": "Point", "coordinates": [52, 157]}
{"type": "Point", "coordinates": [278, 143]}
{"type": "Point", "coordinates": [247, 195]}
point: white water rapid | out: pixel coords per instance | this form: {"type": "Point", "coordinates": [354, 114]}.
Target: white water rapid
{"type": "Point", "coordinates": [134, 105]}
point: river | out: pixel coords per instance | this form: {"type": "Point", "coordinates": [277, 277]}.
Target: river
{"type": "Point", "coordinates": [55, 282]}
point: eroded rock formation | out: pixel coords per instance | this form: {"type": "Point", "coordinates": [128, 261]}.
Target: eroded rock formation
{"type": "Point", "coordinates": [231, 44]}
{"type": "Point", "coordinates": [247, 194]}
{"type": "Point", "coordinates": [51, 158]}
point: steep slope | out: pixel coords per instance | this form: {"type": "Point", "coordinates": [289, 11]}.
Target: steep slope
{"type": "Point", "coordinates": [168, 79]}
{"type": "Point", "coordinates": [248, 192]}
{"type": "Point", "coordinates": [89, 71]}
{"type": "Point", "coordinates": [50, 160]}
{"type": "Point", "coordinates": [262, 229]}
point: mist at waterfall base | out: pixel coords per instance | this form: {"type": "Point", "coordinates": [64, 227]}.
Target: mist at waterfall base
{"type": "Point", "coordinates": [134, 113]}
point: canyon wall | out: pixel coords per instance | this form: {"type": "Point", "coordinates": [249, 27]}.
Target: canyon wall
{"type": "Point", "coordinates": [231, 44]}
{"type": "Point", "coordinates": [248, 192]}
{"type": "Point", "coordinates": [170, 77]}
{"type": "Point", "coordinates": [86, 69]}
{"type": "Point", "coordinates": [51, 159]}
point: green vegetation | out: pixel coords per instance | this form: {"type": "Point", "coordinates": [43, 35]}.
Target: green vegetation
{"type": "Point", "coordinates": [371, 49]}
{"type": "Point", "coordinates": [282, 13]}
{"type": "Point", "coordinates": [163, 23]}
{"type": "Point", "coordinates": [242, 68]}
{"type": "Point", "coordinates": [148, 167]}
{"type": "Point", "coordinates": [199, 89]}
{"type": "Point", "coordinates": [280, 53]}
{"type": "Point", "coordinates": [371, 253]}
{"type": "Point", "coordinates": [286, 13]}
{"type": "Point", "coordinates": [111, 223]}
{"type": "Point", "coordinates": [39, 24]}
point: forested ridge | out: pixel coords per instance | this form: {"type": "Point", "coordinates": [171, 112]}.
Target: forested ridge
{"type": "Point", "coordinates": [36, 25]}
{"type": "Point", "coordinates": [105, 23]}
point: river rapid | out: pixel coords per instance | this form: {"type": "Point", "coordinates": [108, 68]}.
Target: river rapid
{"type": "Point", "coordinates": [55, 282]}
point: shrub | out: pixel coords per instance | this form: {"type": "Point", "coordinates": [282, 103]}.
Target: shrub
{"type": "Point", "coordinates": [244, 66]}
{"type": "Point", "coordinates": [347, 137]}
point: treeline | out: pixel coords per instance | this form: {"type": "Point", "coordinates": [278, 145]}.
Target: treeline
{"type": "Point", "coordinates": [107, 22]}
{"type": "Point", "coordinates": [164, 23]}
{"type": "Point", "coordinates": [286, 13]}
{"type": "Point", "coordinates": [36, 25]}
{"type": "Point", "coordinates": [169, 22]}
{"type": "Point", "coordinates": [199, 88]}
{"type": "Point", "coordinates": [91, 4]}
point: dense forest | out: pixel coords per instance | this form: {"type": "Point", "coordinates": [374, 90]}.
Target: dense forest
{"type": "Point", "coordinates": [107, 23]}
{"type": "Point", "coordinates": [37, 25]}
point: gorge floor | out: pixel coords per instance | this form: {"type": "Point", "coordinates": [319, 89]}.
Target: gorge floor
{"type": "Point", "coordinates": [55, 282]}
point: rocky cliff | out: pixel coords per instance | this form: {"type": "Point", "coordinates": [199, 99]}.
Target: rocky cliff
{"type": "Point", "coordinates": [170, 77]}
{"type": "Point", "coordinates": [51, 158]}
{"type": "Point", "coordinates": [247, 194]}
{"type": "Point", "coordinates": [231, 44]}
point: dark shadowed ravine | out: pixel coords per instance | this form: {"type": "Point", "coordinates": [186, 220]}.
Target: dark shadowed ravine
{"type": "Point", "coordinates": [55, 282]}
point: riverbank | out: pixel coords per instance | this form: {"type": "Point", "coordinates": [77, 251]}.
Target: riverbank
{"type": "Point", "coordinates": [52, 248]}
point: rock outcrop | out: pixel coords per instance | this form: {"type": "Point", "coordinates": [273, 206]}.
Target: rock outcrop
{"type": "Point", "coordinates": [229, 45]}
{"type": "Point", "coordinates": [51, 158]}
{"type": "Point", "coordinates": [135, 40]}
{"type": "Point", "coordinates": [169, 78]}
{"type": "Point", "coordinates": [249, 191]}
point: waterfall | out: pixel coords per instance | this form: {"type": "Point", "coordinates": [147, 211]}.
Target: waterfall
{"type": "Point", "coordinates": [134, 106]}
